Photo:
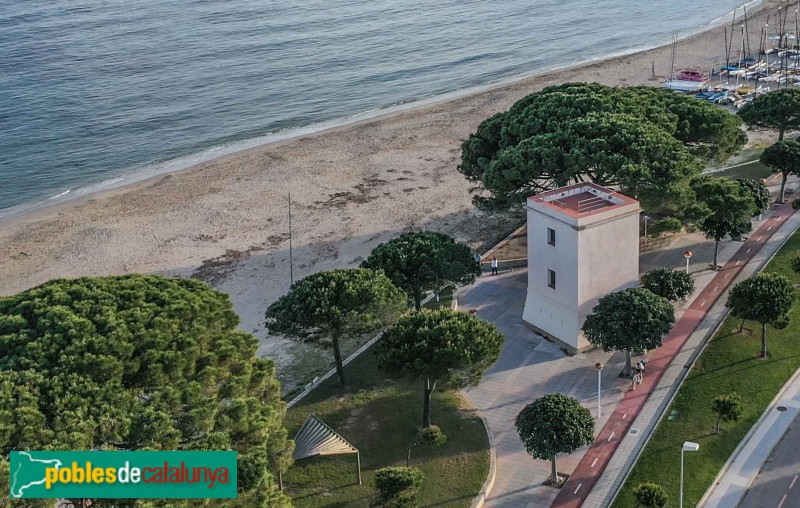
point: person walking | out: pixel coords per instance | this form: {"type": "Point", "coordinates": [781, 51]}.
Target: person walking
{"type": "Point", "coordinates": [494, 266]}
{"type": "Point", "coordinates": [633, 379]}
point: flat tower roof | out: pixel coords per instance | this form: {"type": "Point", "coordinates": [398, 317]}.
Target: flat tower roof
{"type": "Point", "coordinates": [582, 199]}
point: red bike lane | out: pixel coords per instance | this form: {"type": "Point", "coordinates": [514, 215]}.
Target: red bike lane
{"type": "Point", "coordinates": [580, 483]}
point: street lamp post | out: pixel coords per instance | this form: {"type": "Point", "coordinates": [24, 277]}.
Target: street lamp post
{"type": "Point", "coordinates": [687, 446]}
{"type": "Point", "coordinates": [688, 256]}
{"type": "Point", "coordinates": [599, 367]}
{"type": "Point", "coordinates": [646, 218]}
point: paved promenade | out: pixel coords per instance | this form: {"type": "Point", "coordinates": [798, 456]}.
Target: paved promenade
{"type": "Point", "coordinates": [530, 367]}
{"type": "Point", "coordinates": [639, 411]}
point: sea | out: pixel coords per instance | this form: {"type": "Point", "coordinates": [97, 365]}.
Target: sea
{"type": "Point", "coordinates": [99, 93]}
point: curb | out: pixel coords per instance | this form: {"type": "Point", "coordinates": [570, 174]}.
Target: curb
{"type": "Point", "coordinates": [676, 388]}
{"type": "Point", "coordinates": [761, 418]}
{"type": "Point", "coordinates": [489, 483]}
{"type": "Point", "coordinates": [746, 439]}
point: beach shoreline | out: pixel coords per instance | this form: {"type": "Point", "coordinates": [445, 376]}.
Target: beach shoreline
{"type": "Point", "coordinates": [353, 186]}
{"type": "Point", "coordinates": [274, 139]}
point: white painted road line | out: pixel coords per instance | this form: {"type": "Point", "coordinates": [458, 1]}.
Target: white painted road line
{"type": "Point", "coordinates": [748, 250]}
{"type": "Point", "coordinates": [624, 415]}
{"type": "Point", "coordinates": [716, 288]}
{"type": "Point", "coordinates": [611, 436]}
{"type": "Point", "coordinates": [737, 263]}
{"type": "Point", "coordinates": [577, 489]}
{"type": "Point", "coordinates": [769, 228]}
{"type": "Point", "coordinates": [793, 482]}
{"type": "Point", "coordinates": [702, 304]}
{"type": "Point", "coordinates": [782, 500]}
{"type": "Point", "coordinates": [727, 275]}
{"type": "Point", "coordinates": [758, 239]}
{"type": "Point", "coordinates": [595, 462]}
{"type": "Point", "coordinates": [779, 218]}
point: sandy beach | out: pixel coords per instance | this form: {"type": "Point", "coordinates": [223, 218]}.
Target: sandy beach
{"type": "Point", "coordinates": [352, 188]}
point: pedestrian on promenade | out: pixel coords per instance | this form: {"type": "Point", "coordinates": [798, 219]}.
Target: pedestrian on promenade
{"type": "Point", "coordinates": [477, 258]}
{"type": "Point", "coordinates": [640, 367]}
{"type": "Point", "coordinates": [494, 266]}
{"type": "Point", "coordinates": [633, 379]}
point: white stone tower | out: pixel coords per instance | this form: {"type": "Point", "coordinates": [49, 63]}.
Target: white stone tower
{"type": "Point", "coordinates": [583, 243]}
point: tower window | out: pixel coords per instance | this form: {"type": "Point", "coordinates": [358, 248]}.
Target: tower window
{"type": "Point", "coordinates": [551, 236]}
{"type": "Point", "coordinates": [551, 279]}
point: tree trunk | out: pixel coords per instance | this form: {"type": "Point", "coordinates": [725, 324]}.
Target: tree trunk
{"type": "Point", "coordinates": [763, 340]}
{"type": "Point", "coordinates": [553, 471]}
{"type": "Point", "coordinates": [716, 427]}
{"type": "Point", "coordinates": [428, 388]}
{"type": "Point", "coordinates": [627, 370]}
{"type": "Point", "coordinates": [337, 357]}
{"type": "Point", "coordinates": [780, 133]}
{"type": "Point", "coordinates": [784, 176]}
{"type": "Point", "coordinates": [741, 326]}
{"type": "Point", "coordinates": [716, 253]}
{"type": "Point", "coordinates": [417, 299]}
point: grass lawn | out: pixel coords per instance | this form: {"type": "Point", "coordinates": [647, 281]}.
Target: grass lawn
{"type": "Point", "coordinates": [730, 363]}
{"type": "Point", "coordinates": [380, 415]}
{"type": "Point", "coordinates": [753, 170]}
{"type": "Point", "coordinates": [445, 300]}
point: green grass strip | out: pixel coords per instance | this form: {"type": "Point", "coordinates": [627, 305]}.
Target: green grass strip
{"type": "Point", "coordinates": [730, 363]}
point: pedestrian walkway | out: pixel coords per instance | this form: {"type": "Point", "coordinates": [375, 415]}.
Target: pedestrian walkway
{"type": "Point", "coordinates": [530, 367]}
{"type": "Point", "coordinates": [748, 459]}
{"type": "Point", "coordinates": [638, 412]}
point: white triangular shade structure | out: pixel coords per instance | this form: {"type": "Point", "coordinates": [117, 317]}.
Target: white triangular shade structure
{"type": "Point", "coordinates": [315, 438]}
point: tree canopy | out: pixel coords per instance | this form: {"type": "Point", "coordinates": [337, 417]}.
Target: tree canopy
{"type": "Point", "coordinates": [784, 158]}
{"type": "Point", "coordinates": [629, 320]}
{"type": "Point", "coordinates": [650, 495]}
{"type": "Point", "coordinates": [727, 408]}
{"type": "Point", "coordinates": [759, 192]}
{"type": "Point", "coordinates": [647, 141]}
{"type": "Point", "coordinates": [779, 110]}
{"type": "Point", "coordinates": [424, 261]}
{"type": "Point", "coordinates": [667, 283]}
{"type": "Point", "coordinates": [766, 298]}
{"type": "Point", "coordinates": [554, 424]}
{"type": "Point", "coordinates": [726, 206]}
{"type": "Point", "coordinates": [139, 363]}
{"type": "Point", "coordinates": [326, 306]}
{"type": "Point", "coordinates": [455, 347]}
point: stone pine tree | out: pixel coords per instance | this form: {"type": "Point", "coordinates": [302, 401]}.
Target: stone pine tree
{"type": "Point", "coordinates": [728, 408]}
{"type": "Point", "coordinates": [424, 261]}
{"type": "Point", "coordinates": [442, 345]}
{"type": "Point", "coordinates": [629, 320]}
{"type": "Point", "coordinates": [766, 298]}
{"type": "Point", "coordinates": [727, 208]}
{"type": "Point", "coordinates": [650, 495]}
{"type": "Point", "coordinates": [327, 306]}
{"type": "Point", "coordinates": [647, 142]}
{"type": "Point", "coordinates": [139, 363]}
{"type": "Point", "coordinates": [671, 284]}
{"type": "Point", "coordinates": [784, 158]}
{"type": "Point", "coordinates": [552, 425]}
{"type": "Point", "coordinates": [760, 192]}
{"type": "Point", "coordinates": [778, 110]}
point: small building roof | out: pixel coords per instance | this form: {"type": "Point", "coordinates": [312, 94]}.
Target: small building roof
{"type": "Point", "coordinates": [582, 199]}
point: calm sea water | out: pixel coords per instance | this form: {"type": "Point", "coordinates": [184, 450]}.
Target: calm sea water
{"type": "Point", "coordinates": [96, 91]}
